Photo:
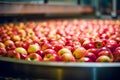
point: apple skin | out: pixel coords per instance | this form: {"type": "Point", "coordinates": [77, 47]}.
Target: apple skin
{"type": "Point", "coordinates": [106, 53]}
{"type": "Point", "coordinates": [104, 49]}
{"type": "Point", "coordinates": [51, 57]}
{"type": "Point", "coordinates": [41, 53]}
{"type": "Point", "coordinates": [21, 50]}
{"type": "Point", "coordinates": [13, 54]}
{"type": "Point", "coordinates": [67, 57]}
{"type": "Point", "coordinates": [63, 51]}
{"type": "Point", "coordinates": [112, 44]}
{"type": "Point", "coordinates": [71, 48]}
{"type": "Point", "coordinates": [46, 46]}
{"type": "Point", "coordinates": [18, 43]}
{"type": "Point", "coordinates": [117, 54]}
{"type": "Point", "coordinates": [85, 59]}
{"type": "Point", "coordinates": [0, 39]}
{"type": "Point", "coordinates": [9, 44]}
{"type": "Point", "coordinates": [49, 51]}
{"type": "Point", "coordinates": [79, 52]}
{"type": "Point", "coordinates": [103, 58]}
{"type": "Point", "coordinates": [16, 38]}
{"type": "Point", "coordinates": [88, 45]}
{"type": "Point", "coordinates": [91, 55]}
{"type": "Point", "coordinates": [118, 48]}
{"type": "Point", "coordinates": [25, 46]}
{"type": "Point", "coordinates": [57, 47]}
{"type": "Point", "coordinates": [104, 36]}
{"type": "Point", "coordinates": [94, 50]}
{"type": "Point", "coordinates": [33, 57]}
{"type": "Point", "coordinates": [3, 51]}
{"type": "Point", "coordinates": [10, 47]}
{"type": "Point", "coordinates": [33, 48]}
{"type": "Point", "coordinates": [2, 45]}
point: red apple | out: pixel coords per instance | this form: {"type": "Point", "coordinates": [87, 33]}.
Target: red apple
{"type": "Point", "coordinates": [13, 54]}
{"type": "Point", "coordinates": [18, 43]}
{"type": "Point", "coordinates": [33, 57]}
{"type": "Point", "coordinates": [49, 51]}
{"type": "Point", "coordinates": [103, 58]}
{"type": "Point", "coordinates": [112, 44]}
{"type": "Point", "coordinates": [67, 57]}
{"type": "Point", "coordinates": [94, 50]}
{"type": "Point", "coordinates": [9, 44]}
{"type": "Point", "coordinates": [41, 53]}
{"type": "Point", "coordinates": [46, 46]}
{"type": "Point", "coordinates": [71, 48]}
{"type": "Point", "coordinates": [63, 51]}
{"type": "Point", "coordinates": [91, 55]}
{"type": "Point", "coordinates": [85, 59]}
{"type": "Point", "coordinates": [106, 53]}
{"type": "Point", "coordinates": [3, 51]}
{"type": "Point", "coordinates": [117, 54]}
{"type": "Point", "coordinates": [57, 47]}
{"type": "Point", "coordinates": [88, 45]}
{"type": "Point", "coordinates": [51, 57]}
{"type": "Point", "coordinates": [79, 52]}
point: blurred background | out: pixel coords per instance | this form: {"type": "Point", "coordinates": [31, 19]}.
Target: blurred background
{"type": "Point", "coordinates": [97, 8]}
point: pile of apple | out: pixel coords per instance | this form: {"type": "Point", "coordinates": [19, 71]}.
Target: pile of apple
{"type": "Point", "coordinates": [73, 40]}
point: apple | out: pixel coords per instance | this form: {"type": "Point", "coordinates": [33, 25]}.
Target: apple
{"type": "Point", "coordinates": [16, 38]}
{"type": "Point", "coordinates": [79, 52]}
{"type": "Point", "coordinates": [85, 59]}
{"type": "Point", "coordinates": [13, 54]}
{"type": "Point", "coordinates": [57, 47]}
{"type": "Point", "coordinates": [104, 36]}
{"type": "Point", "coordinates": [25, 46]}
{"type": "Point", "coordinates": [71, 48]}
{"type": "Point", "coordinates": [51, 57]}
{"type": "Point", "coordinates": [21, 50]}
{"type": "Point", "coordinates": [112, 44]}
{"type": "Point", "coordinates": [8, 42]}
{"type": "Point", "coordinates": [33, 57]}
{"type": "Point", "coordinates": [91, 55]}
{"type": "Point", "coordinates": [106, 53]}
{"type": "Point", "coordinates": [46, 46]}
{"type": "Point", "coordinates": [88, 45]}
{"type": "Point", "coordinates": [3, 51]}
{"type": "Point", "coordinates": [67, 57]}
{"type": "Point", "coordinates": [117, 54]}
{"type": "Point", "coordinates": [2, 45]}
{"type": "Point", "coordinates": [93, 50]}
{"type": "Point", "coordinates": [63, 51]}
{"type": "Point", "coordinates": [0, 39]}
{"type": "Point", "coordinates": [104, 49]}
{"type": "Point", "coordinates": [33, 48]}
{"type": "Point", "coordinates": [87, 40]}
{"type": "Point", "coordinates": [41, 53]}
{"type": "Point", "coordinates": [49, 51]}
{"type": "Point", "coordinates": [103, 58]}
